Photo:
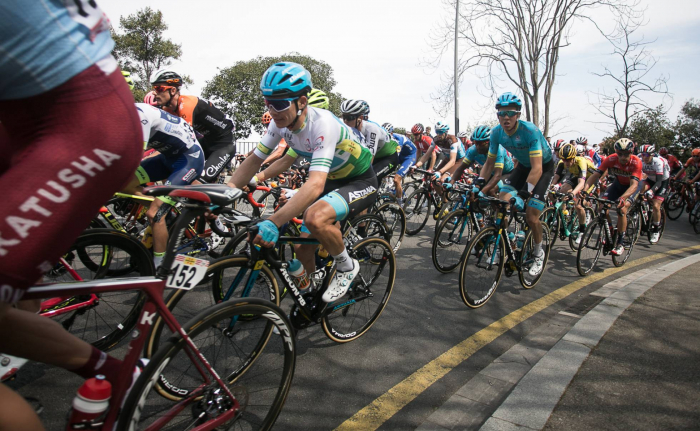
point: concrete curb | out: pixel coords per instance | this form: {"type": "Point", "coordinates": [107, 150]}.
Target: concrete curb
{"type": "Point", "coordinates": [536, 395]}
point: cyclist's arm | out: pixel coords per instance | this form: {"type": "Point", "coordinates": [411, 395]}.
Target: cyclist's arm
{"type": "Point", "coordinates": [307, 195]}
{"type": "Point", "coordinates": [279, 166]}
{"type": "Point", "coordinates": [696, 178]}
{"type": "Point", "coordinates": [433, 157]}
{"type": "Point", "coordinates": [460, 170]}
{"type": "Point", "coordinates": [245, 172]}
{"type": "Point", "coordinates": [535, 171]}
{"type": "Point", "coordinates": [679, 174]}
{"type": "Point", "coordinates": [634, 183]}
{"type": "Point", "coordinates": [593, 179]}
{"type": "Point", "coordinates": [579, 185]}
{"type": "Point", "coordinates": [450, 163]}
{"type": "Point", "coordinates": [495, 178]}
{"type": "Point", "coordinates": [488, 166]}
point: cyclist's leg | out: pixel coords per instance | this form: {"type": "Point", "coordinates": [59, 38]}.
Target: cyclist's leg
{"type": "Point", "coordinates": [16, 414]}
{"type": "Point", "coordinates": [217, 160]}
{"type": "Point", "coordinates": [536, 204]}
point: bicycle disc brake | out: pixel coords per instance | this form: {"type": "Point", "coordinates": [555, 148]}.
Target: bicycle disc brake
{"type": "Point", "coordinates": [510, 268]}
{"type": "Point", "coordinates": [215, 402]}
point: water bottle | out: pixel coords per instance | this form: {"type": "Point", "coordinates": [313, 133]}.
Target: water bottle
{"type": "Point", "coordinates": [147, 240]}
{"type": "Point", "coordinates": [91, 402]}
{"type": "Point", "coordinates": [299, 277]}
{"type": "Point", "coordinates": [480, 219]}
{"type": "Point", "coordinates": [511, 238]}
{"type": "Point", "coordinates": [519, 239]}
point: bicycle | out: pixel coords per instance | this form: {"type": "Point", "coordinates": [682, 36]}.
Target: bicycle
{"type": "Point", "coordinates": [562, 218]}
{"type": "Point", "coordinates": [179, 384]}
{"type": "Point", "coordinates": [418, 203]}
{"type": "Point", "coordinates": [598, 238]}
{"type": "Point", "coordinates": [642, 213]}
{"type": "Point", "coordinates": [254, 269]}
{"type": "Point", "coordinates": [485, 253]}
{"type": "Point", "coordinates": [680, 197]}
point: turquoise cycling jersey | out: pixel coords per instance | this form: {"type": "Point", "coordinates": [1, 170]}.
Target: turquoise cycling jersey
{"type": "Point", "coordinates": [503, 160]}
{"type": "Point", "coordinates": [44, 43]}
{"type": "Point", "coordinates": [526, 142]}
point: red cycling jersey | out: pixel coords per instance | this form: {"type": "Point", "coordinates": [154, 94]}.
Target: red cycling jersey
{"type": "Point", "coordinates": [673, 162]}
{"type": "Point", "coordinates": [423, 143]}
{"type": "Point", "coordinates": [632, 170]}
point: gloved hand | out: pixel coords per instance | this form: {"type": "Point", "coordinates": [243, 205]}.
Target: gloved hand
{"type": "Point", "coordinates": [524, 194]}
{"type": "Point", "coordinates": [268, 233]}
{"type": "Point", "coordinates": [649, 195]}
{"type": "Point", "coordinates": [436, 175]}
{"type": "Point", "coordinates": [447, 186]}
{"type": "Point", "coordinates": [519, 203]}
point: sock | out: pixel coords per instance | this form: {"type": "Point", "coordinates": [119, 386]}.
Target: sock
{"type": "Point", "coordinates": [582, 227]}
{"type": "Point", "coordinates": [537, 249]}
{"type": "Point", "coordinates": [220, 225]}
{"type": "Point", "coordinates": [100, 363]}
{"type": "Point", "coordinates": [620, 237]}
{"type": "Point", "coordinates": [343, 261]}
{"type": "Point", "coordinates": [655, 226]}
{"type": "Point", "coordinates": [158, 258]}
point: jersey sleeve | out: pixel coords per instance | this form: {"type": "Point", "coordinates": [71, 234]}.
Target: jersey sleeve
{"type": "Point", "coordinates": [535, 146]}
{"type": "Point", "coordinates": [560, 169]}
{"type": "Point", "coordinates": [493, 145]}
{"type": "Point", "coordinates": [500, 159]}
{"type": "Point", "coordinates": [636, 174]}
{"type": "Point", "coordinates": [269, 142]}
{"type": "Point", "coordinates": [469, 156]}
{"type": "Point", "coordinates": [325, 139]}
{"type": "Point", "coordinates": [185, 109]}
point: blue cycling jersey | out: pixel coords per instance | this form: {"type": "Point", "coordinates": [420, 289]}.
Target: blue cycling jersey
{"type": "Point", "coordinates": [503, 160]}
{"type": "Point", "coordinates": [408, 148]}
{"type": "Point", "coordinates": [526, 142]}
{"type": "Point", "coordinates": [44, 43]}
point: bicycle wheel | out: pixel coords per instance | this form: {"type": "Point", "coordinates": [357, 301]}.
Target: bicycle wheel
{"type": "Point", "coordinates": [636, 218]}
{"type": "Point", "coordinates": [575, 228]}
{"type": "Point", "coordinates": [369, 225]}
{"type": "Point", "coordinates": [591, 246]}
{"type": "Point", "coordinates": [692, 215]}
{"type": "Point", "coordinates": [674, 205]}
{"type": "Point", "coordinates": [255, 364]}
{"type": "Point", "coordinates": [354, 313]}
{"type": "Point", "coordinates": [549, 216]}
{"type": "Point", "coordinates": [225, 278]}
{"type": "Point", "coordinates": [395, 220]}
{"type": "Point", "coordinates": [451, 239]}
{"type": "Point", "coordinates": [267, 199]}
{"type": "Point", "coordinates": [105, 319]}
{"type": "Point", "coordinates": [630, 239]}
{"type": "Point", "coordinates": [482, 267]}
{"type": "Point", "coordinates": [417, 209]}
{"type": "Point", "coordinates": [527, 257]}
{"type": "Point", "coordinates": [696, 210]}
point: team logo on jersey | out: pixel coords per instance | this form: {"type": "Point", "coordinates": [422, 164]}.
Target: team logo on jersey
{"type": "Point", "coordinates": [353, 196]}
{"type": "Point", "coordinates": [190, 175]}
{"type": "Point", "coordinates": [169, 117]}
{"type": "Point", "coordinates": [319, 143]}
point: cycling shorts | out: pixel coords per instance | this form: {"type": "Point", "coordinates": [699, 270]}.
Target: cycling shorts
{"type": "Point", "coordinates": [659, 194]}
{"type": "Point", "coordinates": [385, 166]}
{"type": "Point", "coordinates": [350, 196]}
{"type": "Point", "coordinates": [615, 190]}
{"type": "Point", "coordinates": [178, 171]}
{"type": "Point", "coordinates": [440, 160]}
{"type": "Point", "coordinates": [517, 180]}
{"type": "Point", "coordinates": [405, 164]}
{"type": "Point", "coordinates": [218, 158]}
{"type": "Point", "coordinates": [65, 153]}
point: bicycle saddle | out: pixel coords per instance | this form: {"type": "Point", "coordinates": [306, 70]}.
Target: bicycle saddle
{"type": "Point", "coordinates": [217, 194]}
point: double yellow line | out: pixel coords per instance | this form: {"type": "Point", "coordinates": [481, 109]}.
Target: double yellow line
{"type": "Point", "coordinates": [383, 408]}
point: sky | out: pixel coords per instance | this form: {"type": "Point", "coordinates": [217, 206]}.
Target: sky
{"type": "Point", "coordinates": [378, 49]}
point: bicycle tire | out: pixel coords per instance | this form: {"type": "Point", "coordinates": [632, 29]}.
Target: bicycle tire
{"type": "Point", "coordinates": [184, 304]}
{"type": "Point", "coordinates": [575, 228]}
{"type": "Point", "coordinates": [662, 226]}
{"type": "Point", "coordinates": [526, 253]}
{"type": "Point", "coordinates": [550, 216]}
{"type": "Point", "coordinates": [631, 237]}
{"type": "Point", "coordinates": [369, 226]}
{"type": "Point", "coordinates": [674, 205]}
{"type": "Point", "coordinates": [358, 310]}
{"type": "Point", "coordinates": [594, 233]}
{"type": "Point", "coordinates": [395, 219]}
{"type": "Point", "coordinates": [108, 321]}
{"type": "Point", "coordinates": [261, 387]}
{"type": "Point", "coordinates": [691, 215]}
{"type": "Point", "coordinates": [417, 209]}
{"type": "Point", "coordinates": [696, 225]}
{"type": "Point", "coordinates": [474, 293]}
{"type": "Point", "coordinates": [451, 240]}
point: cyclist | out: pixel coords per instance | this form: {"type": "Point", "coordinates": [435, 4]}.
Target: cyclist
{"type": "Point", "coordinates": [407, 157]}
{"type": "Point", "coordinates": [674, 164]}
{"type": "Point", "coordinates": [179, 162]}
{"type": "Point", "coordinates": [464, 138]}
{"type": "Point", "coordinates": [59, 166]}
{"type": "Point", "coordinates": [578, 169]}
{"type": "Point", "coordinates": [627, 169]}
{"type": "Point", "coordinates": [341, 181]}
{"type": "Point", "coordinates": [477, 154]}
{"type": "Point", "coordinates": [379, 141]}
{"type": "Point", "coordinates": [281, 149]}
{"type": "Point", "coordinates": [691, 167]}
{"type": "Point", "coordinates": [215, 128]}
{"type": "Point", "coordinates": [423, 142]}
{"type": "Point", "coordinates": [555, 153]}
{"type": "Point", "coordinates": [531, 177]}
{"type": "Point", "coordinates": [654, 186]}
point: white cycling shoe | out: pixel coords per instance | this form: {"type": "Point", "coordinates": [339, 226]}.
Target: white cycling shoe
{"type": "Point", "coordinates": [537, 264]}
{"type": "Point", "coordinates": [341, 283]}
{"type": "Point", "coordinates": [654, 237]}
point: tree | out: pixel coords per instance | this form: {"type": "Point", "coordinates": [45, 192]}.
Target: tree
{"type": "Point", "coordinates": [518, 40]}
{"type": "Point", "coordinates": [236, 89]}
{"type": "Point", "coordinates": [653, 127]}
{"type": "Point", "coordinates": [688, 126]}
{"type": "Point", "coordinates": [141, 49]}
{"type": "Point", "coordinates": [622, 105]}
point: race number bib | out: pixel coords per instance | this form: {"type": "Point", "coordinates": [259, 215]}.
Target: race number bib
{"type": "Point", "coordinates": [187, 272]}
{"type": "Point", "coordinates": [88, 14]}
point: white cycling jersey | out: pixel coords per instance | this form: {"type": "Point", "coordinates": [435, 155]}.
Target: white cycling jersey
{"type": "Point", "coordinates": [329, 143]}
{"type": "Point", "coordinates": [375, 136]}
{"type": "Point", "coordinates": [166, 133]}
{"type": "Point", "coordinates": [655, 170]}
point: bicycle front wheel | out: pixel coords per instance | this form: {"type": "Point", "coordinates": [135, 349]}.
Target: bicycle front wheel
{"type": "Point", "coordinates": [395, 220]}
{"type": "Point", "coordinates": [353, 314]}
{"type": "Point", "coordinates": [172, 391]}
{"type": "Point", "coordinates": [630, 239]}
{"type": "Point", "coordinates": [527, 257]}
{"type": "Point", "coordinates": [451, 238]}
{"type": "Point", "coordinates": [417, 209]}
{"type": "Point", "coordinates": [482, 267]}
{"type": "Point", "coordinates": [674, 205]}
{"type": "Point", "coordinates": [590, 248]}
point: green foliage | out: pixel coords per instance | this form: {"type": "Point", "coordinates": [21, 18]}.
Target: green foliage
{"type": "Point", "coordinates": [141, 49]}
{"type": "Point", "coordinates": [653, 127]}
{"type": "Point", "coordinates": [688, 126]}
{"type": "Point", "coordinates": [400, 130]}
{"type": "Point", "coordinates": [236, 89]}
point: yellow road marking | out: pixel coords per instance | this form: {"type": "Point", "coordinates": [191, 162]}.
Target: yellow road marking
{"type": "Point", "coordinates": [383, 408]}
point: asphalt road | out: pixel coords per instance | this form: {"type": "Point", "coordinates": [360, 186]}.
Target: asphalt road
{"type": "Point", "coordinates": [425, 317]}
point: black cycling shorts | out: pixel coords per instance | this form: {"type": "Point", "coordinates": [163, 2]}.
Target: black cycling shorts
{"type": "Point", "coordinates": [218, 157]}
{"type": "Point", "coordinates": [616, 189]}
{"type": "Point", "coordinates": [350, 196]}
{"type": "Point", "coordinates": [517, 180]}
{"type": "Point", "coordinates": [385, 166]}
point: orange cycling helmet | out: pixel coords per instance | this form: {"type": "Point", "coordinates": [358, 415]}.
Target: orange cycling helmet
{"type": "Point", "coordinates": [266, 118]}
{"type": "Point", "coordinates": [696, 152]}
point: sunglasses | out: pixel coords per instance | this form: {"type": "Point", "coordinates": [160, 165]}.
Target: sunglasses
{"type": "Point", "coordinates": [508, 114]}
{"type": "Point", "coordinates": [161, 88]}
{"type": "Point", "coordinates": [350, 117]}
{"type": "Point", "coordinates": [623, 153]}
{"type": "Point", "coordinates": [646, 154]}
{"type": "Point", "coordinates": [482, 142]}
{"type": "Point", "coordinates": [279, 105]}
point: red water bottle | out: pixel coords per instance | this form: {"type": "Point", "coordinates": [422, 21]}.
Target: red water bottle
{"type": "Point", "coordinates": [91, 402]}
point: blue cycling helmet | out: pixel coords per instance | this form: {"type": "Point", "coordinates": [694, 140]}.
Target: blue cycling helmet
{"type": "Point", "coordinates": [285, 80]}
{"type": "Point", "coordinates": [509, 99]}
{"type": "Point", "coordinates": [441, 128]}
{"type": "Point", "coordinates": [481, 133]}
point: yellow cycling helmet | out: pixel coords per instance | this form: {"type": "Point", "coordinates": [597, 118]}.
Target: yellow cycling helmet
{"type": "Point", "coordinates": [127, 77]}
